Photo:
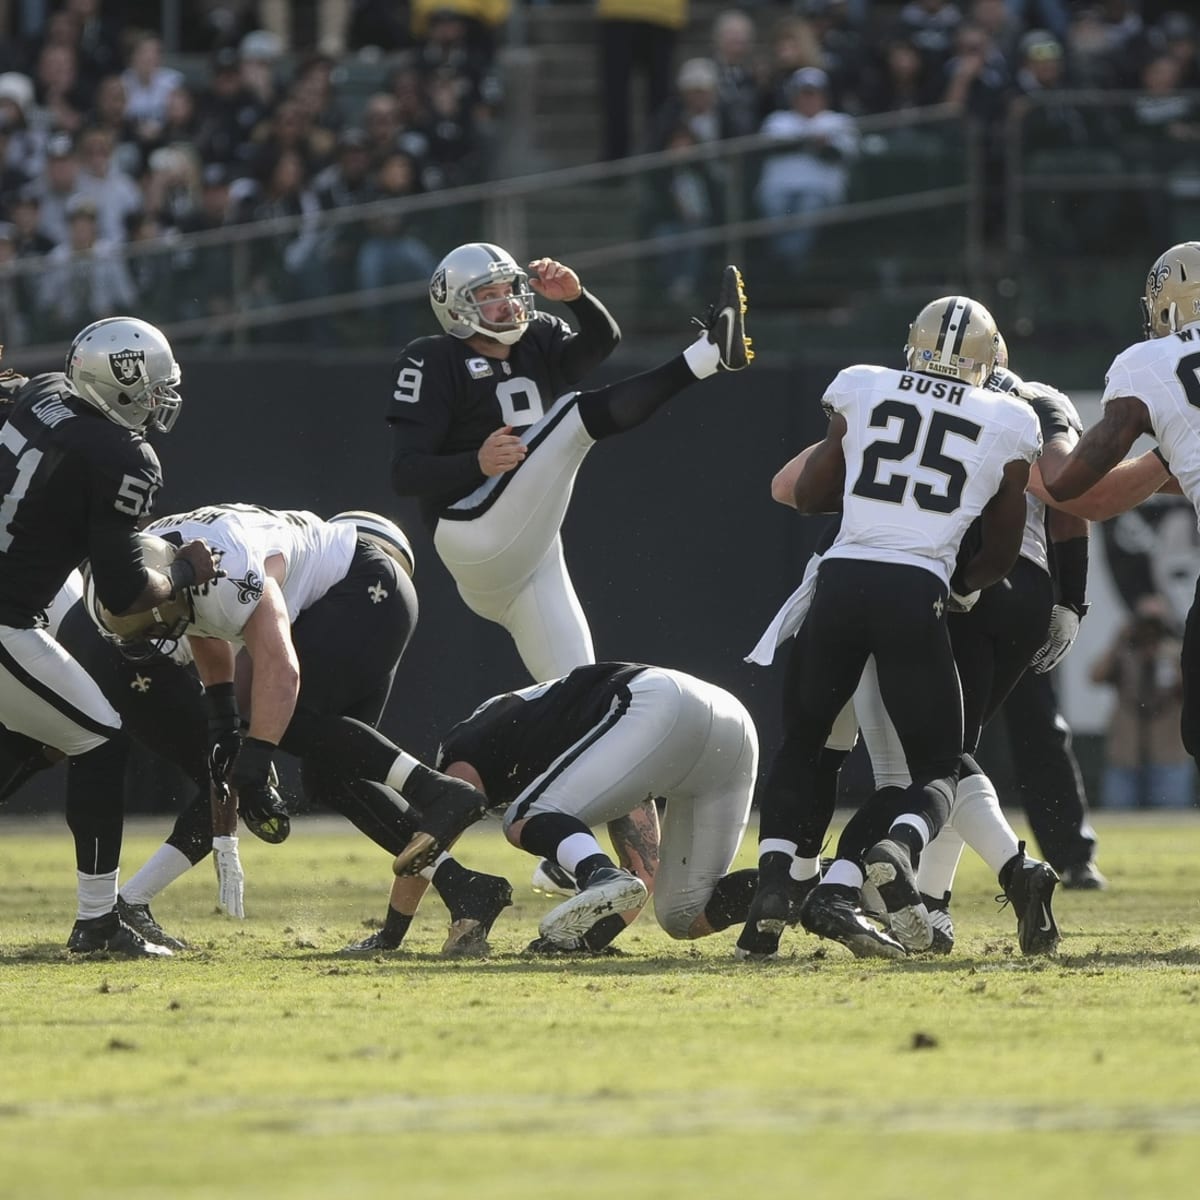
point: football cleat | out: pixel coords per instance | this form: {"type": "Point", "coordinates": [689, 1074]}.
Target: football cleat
{"type": "Point", "coordinates": [109, 934]}
{"type": "Point", "coordinates": [141, 920]}
{"type": "Point", "coordinates": [609, 890]}
{"type": "Point", "coordinates": [765, 922]}
{"type": "Point", "coordinates": [450, 807]}
{"type": "Point", "coordinates": [374, 942]}
{"type": "Point", "coordinates": [1083, 877]}
{"type": "Point", "coordinates": [549, 879]}
{"type": "Point", "coordinates": [889, 868]}
{"type": "Point", "coordinates": [1028, 886]}
{"type": "Point", "coordinates": [943, 925]}
{"type": "Point", "coordinates": [725, 323]}
{"type": "Point", "coordinates": [831, 911]}
{"type": "Point", "coordinates": [475, 909]}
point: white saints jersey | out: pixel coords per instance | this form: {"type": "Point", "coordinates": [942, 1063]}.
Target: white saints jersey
{"type": "Point", "coordinates": [923, 457]}
{"type": "Point", "coordinates": [316, 555]}
{"type": "Point", "coordinates": [1164, 373]}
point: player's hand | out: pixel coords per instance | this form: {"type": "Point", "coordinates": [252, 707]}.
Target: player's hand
{"type": "Point", "coordinates": [554, 281]}
{"type": "Point", "coordinates": [231, 880]}
{"type": "Point", "coordinates": [501, 452]}
{"type": "Point", "coordinates": [204, 561]}
{"type": "Point", "coordinates": [1064, 629]}
{"type": "Point", "coordinates": [222, 754]}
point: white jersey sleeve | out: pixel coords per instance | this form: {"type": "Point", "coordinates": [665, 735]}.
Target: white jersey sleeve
{"type": "Point", "coordinates": [1164, 374]}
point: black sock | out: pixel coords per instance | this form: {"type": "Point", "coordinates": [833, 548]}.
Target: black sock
{"type": "Point", "coordinates": [775, 868]}
{"type": "Point", "coordinates": [396, 923]}
{"type": "Point", "coordinates": [909, 838]}
{"type": "Point", "coordinates": [629, 402]}
{"type": "Point", "coordinates": [730, 902]}
{"type": "Point", "coordinates": [449, 879]}
{"type": "Point", "coordinates": [587, 867]}
{"type": "Point", "coordinates": [543, 833]}
{"type": "Point", "coordinates": [603, 931]}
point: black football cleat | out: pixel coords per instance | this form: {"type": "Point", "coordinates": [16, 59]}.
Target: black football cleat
{"type": "Point", "coordinates": [1028, 886]}
{"type": "Point", "coordinates": [141, 920]}
{"type": "Point", "coordinates": [889, 868]}
{"type": "Point", "coordinates": [449, 807]}
{"type": "Point", "coordinates": [1082, 877]}
{"type": "Point", "coordinates": [110, 935]}
{"type": "Point", "coordinates": [725, 323]}
{"type": "Point", "coordinates": [374, 943]}
{"type": "Point", "coordinates": [831, 911]}
{"type": "Point", "coordinates": [477, 904]}
{"type": "Point", "coordinates": [943, 925]}
{"type": "Point", "coordinates": [549, 879]}
{"type": "Point", "coordinates": [765, 923]}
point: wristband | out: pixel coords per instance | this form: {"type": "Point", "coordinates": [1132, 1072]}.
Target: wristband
{"type": "Point", "coordinates": [221, 702]}
{"type": "Point", "coordinates": [182, 575]}
{"type": "Point", "coordinates": [1070, 573]}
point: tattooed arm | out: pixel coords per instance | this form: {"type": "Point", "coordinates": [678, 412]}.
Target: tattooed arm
{"type": "Point", "coordinates": [1100, 449]}
{"type": "Point", "coordinates": [635, 839]}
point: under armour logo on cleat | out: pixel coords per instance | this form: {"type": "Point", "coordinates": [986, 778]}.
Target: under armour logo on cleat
{"type": "Point", "coordinates": [377, 592]}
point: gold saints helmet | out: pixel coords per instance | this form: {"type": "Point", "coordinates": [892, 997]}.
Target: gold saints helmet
{"type": "Point", "coordinates": [953, 336]}
{"type": "Point", "coordinates": [158, 629]}
{"type": "Point", "coordinates": [1172, 296]}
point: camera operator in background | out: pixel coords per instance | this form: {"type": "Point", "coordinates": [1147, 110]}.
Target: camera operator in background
{"type": "Point", "coordinates": [1147, 765]}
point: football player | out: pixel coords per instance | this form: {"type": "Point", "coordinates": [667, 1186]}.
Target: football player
{"type": "Point", "coordinates": [1153, 387]}
{"type": "Point", "coordinates": [324, 615]}
{"type": "Point", "coordinates": [589, 748]}
{"type": "Point", "coordinates": [489, 432]}
{"type": "Point", "coordinates": [77, 473]}
{"type": "Point", "coordinates": [912, 457]}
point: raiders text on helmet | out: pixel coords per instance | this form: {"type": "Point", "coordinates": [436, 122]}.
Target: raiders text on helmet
{"type": "Point", "coordinates": [953, 336]}
{"type": "Point", "coordinates": [125, 368]}
{"type": "Point", "coordinates": [157, 629]}
{"type": "Point", "coordinates": [384, 534]}
{"type": "Point", "coordinates": [1172, 296]}
{"type": "Point", "coordinates": [453, 285]}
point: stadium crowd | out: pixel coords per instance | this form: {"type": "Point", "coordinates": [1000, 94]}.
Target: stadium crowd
{"type": "Point", "coordinates": [104, 144]}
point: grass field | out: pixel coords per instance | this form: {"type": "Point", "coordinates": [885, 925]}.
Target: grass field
{"type": "Point", "coordinates": [263, 1064]}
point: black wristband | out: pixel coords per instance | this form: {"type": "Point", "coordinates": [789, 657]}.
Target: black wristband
{"type": "Point", "coordinates": [1162, 458]}
{"type": "Point", "coordinates": [1070, 573]}
{"type": "Point", "coordinates": [182, 575]}
{"type": "Point", "coordinates": [220, 701]}
{"type": "Point", "coordinates": [253, 761]}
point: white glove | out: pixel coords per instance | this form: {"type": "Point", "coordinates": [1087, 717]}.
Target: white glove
{"type": "Point", "coordinates": [960, 603]}
{"type": "Point", "coordinates": [1064, 629]}
{"type": "Point", "coordinates": [230, 879]}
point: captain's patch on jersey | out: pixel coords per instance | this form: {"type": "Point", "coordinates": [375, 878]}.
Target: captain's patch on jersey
{"type": "Point", "coordinates": [480, 368]}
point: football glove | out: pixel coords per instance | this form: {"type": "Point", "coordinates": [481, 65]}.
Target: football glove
{"type": "Point", "coordinates": [259, 803]}
{"type": "Point", "coordinates": [230, 878]}
{"type": "Point", "coordinates": [1064, 629]}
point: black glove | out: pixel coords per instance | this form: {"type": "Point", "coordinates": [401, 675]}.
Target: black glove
{"type": "Point", "coordinates": [224, 731]}
{"type": "Point", "coordinates": [259, 803]}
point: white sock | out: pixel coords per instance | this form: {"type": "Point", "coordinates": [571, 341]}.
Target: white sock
{"type": "Point", "coordinates": [912, 821]}
{"type": "Point", "coordinates": [776, 846]}
{"type": "Point", "coordinates": [843, 871]}
{"type": "Point", "coordinates": [429, 872]}
{"type": "Point", "coordinates": [702, 357]}
{"type": "Point", "coordinates": [805, 868]}
{"type": "Point", "coordinates": [97, 894]}
{"type": "Point", "coordinates": [935, 875]}
{"type": "Point", "coordinates": [977, 817]}
{"type": "Point", "coordinates": [574, 849]}
{"type": "Point", "coordinates": [398, 774]}
{"type": "Point", "coordinates": [160, 870]}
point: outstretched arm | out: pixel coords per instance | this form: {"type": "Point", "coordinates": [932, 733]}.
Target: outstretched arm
{"type": "Point", "coordinates": [1100, 449]}
{"type": "Point", "coordinates": [822, 478]}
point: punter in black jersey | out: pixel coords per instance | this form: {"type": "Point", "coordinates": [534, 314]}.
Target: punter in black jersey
{"type": "Point", "coordinates": [565, 756]}
{"type": "Point", "coordinates": [489, 432]}
{"type": "Point", "coordinates": [77, 474]}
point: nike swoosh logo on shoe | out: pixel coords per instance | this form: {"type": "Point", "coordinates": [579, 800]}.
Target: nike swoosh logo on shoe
{"type": "Point", "coordinates": [1046, 922]}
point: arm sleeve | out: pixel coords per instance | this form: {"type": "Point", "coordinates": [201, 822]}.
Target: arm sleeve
{"type": "Point", "coordinates": [597, 338]}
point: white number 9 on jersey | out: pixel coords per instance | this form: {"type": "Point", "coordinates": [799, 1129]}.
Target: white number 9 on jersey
{"type": "Point", "coordinates": [408, 386]}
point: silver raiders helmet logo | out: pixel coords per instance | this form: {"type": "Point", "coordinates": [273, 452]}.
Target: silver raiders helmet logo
{"type": "Point", "coordinates": [128, 366]}
{"type": "Point", "coordinates": [437, 286]}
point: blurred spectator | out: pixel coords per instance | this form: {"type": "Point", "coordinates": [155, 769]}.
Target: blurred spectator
{"type": "Point", "coordinates": [1163, 122]}
{"type": "Point", "coordinates": [57, 87]}
{"type": "Point", "coordinates": [1175, 37]}
{"type": "Point", "coordinates": [347, 181]}
{"type": "Point", "coordinates": [228, 110]}
{"type": "Point", "coordinates": [977, 77]}
{"type": "Point", "coordinates": [286, 264]}
{"type": "Point", "coordinates": [998, 20]}
{"type": "Point", "coordinates": [931, 25]}
{"type": "Point", "coordinates": [12, 177]}
{"type": "Point", "coordinates": [329, 17]}
{"type": "Point", "coordinates": [258, 53]}
{"type": "Point", "coordinates": [1053, 15]}
{"type": "Point", "coordinates": [171, 185]}
{"type": "Point", "coordinates": [1050, 124]}
{"type": "Point", "coordinates": [480, 20]}
{"type": "Point", "coordinates": [381, 24]}
{"type": "Point", "coordinates": [24, 212]}
{"type": "Point", "coordinates": [115, 194]}
{"type": "Point", "coordinates": [457, 44]}
{"type": "Point", "coordinates": [739, 86]}
{"type": "Point", "coordinates": [696, 106]}
{"type": "Point", "coordinates": [85, 277]}
{"type": "Point", "coordinates": [842, 49]}
{"type": "Point", "coordinates": [97, 41]}
{"type": "Point", "coordinates": [16, 107]}
{"type": "Point", "coordinates": [152, 272]}
{"type": "Point", "coordinates": [636, 37]}
{"type": "Point", "coordinates": [1123, 33]}
{"type": "Point", "coordinates": [1146, 764]}
{"type": "Point", "coordinates": [206, 273]}
{"type": "Point", "coordinates": [290, 127]}
{"type": "Point", "coordinates": [56, 185]}
{"type": "Point", "coordinates": [14, 293]}
{"type": "Point", "coordinates": [813, 171]}
{"type": "Point", "coordinates": [1093, 62]}
{"type": "Point", "coordinates": [108, 112]}
{"type": "Point", "coordinates": [381, 122]}
{"type": "Point", "coordinates": [312, 89]}
{"type": "Point", "coordinates": [900, 80]}
{"type": "Point", "coordinates": [793, 45]}
{"type": "Point", "coordinates": [148, 84]}
{"type": "Point", "coordinates": [683, 199]}
{"type": "Point", "coordinates": [456, 145]}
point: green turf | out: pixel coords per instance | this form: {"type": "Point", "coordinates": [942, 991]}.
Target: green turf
{"type": "Point", "coordinates": [263, 1064]}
